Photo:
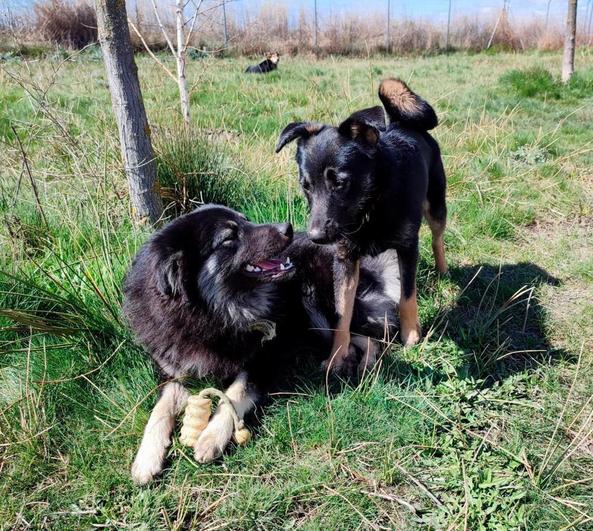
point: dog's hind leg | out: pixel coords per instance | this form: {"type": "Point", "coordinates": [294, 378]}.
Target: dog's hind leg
{"type": "Point", "coordinates": [408, 305]}
{"type": "Point", "coordinates": [435, 212]}
{"type": "Point", "coordinates": [157, 434]}
{"type": "Point", "coordinates": [437, 227]}
{"type": "Point", "coordinates": [217, 435]}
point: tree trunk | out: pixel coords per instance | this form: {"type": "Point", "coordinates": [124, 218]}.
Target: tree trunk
{"type": "Point", "coordinates": [569, 41]}
{"type": "Point", "coordinates": [134, 131]}
{"type": "Point", "coordinates": [181, 49]}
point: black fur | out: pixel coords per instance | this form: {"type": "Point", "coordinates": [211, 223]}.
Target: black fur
{"type": "Point", "coordinates": [267, 65]}
{"type": "Point", "coordinates": [367, 184]}
{"type": "Point", "coordinates": [191, 303]}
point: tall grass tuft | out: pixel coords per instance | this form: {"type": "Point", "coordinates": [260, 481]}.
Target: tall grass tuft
{"type": "Point", "coordinates": [192, 170]}
{"type": "Point", "coordinates": [537, 82]}
{"type": "Point", "coordinates": [532, 82]}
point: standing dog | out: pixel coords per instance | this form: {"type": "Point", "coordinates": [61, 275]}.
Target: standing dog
{"type": "Point", "coordinates": [368, 187]}
{"type": "Point", "coordinates": [270, 63]}
{"type": "Point", "coordinates": [203, 293]}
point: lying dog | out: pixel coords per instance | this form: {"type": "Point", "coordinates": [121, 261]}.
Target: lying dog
{"type": "Point", "coordinates": [270, 63]}
{"type": "Point", "coordinates": [203, 293]}
{"type": "Point", "coordinates": [368, 187]}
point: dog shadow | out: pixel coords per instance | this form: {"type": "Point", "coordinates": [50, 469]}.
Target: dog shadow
{"type": "Point", "coordinates": [497, 322]}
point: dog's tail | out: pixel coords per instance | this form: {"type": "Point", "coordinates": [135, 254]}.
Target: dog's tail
{"type": "Point", "coordinates": [405, 107]}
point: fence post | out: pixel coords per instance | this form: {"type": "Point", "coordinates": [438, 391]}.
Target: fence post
{"type": "Point", "coordinates": [315, 30]}
{"type": "Point", "coordinates": [388, 33]}
{"type": "Point", "coordinates": [448, 28]}
{"type": "Point", "coordinates": [226, 31]}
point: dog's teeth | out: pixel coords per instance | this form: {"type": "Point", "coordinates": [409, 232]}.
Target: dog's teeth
{"type": "Point", "coordinates": [283, 267]}
{"type": "Point", "coordinates": [257, 269]}
{"type": "Point", "coordinates": [249, 268]}
{"type": "Point", "coordinates": [287, 261]}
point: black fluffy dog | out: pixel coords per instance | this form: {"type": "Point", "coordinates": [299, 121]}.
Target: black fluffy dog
{"type": "Point", "coordinates": [205, 292]}
{"type": "Point", "coordinates": [267, 65]}
{"type": "Point", "coordinates": [368, 187]}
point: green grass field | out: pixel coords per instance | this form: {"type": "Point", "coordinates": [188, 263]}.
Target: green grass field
{"type": "Point", "coordinates": [488, 424]}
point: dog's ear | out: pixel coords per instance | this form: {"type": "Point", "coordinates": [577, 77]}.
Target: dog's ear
{"type": "Point", "coordinates": [169, 278]}
{"type": "Point", "coordinates": [360, 131]}
{"type": "Point", "coordinates": [297, 130]}
{"type": "Point", "coordinates": [374, 116]}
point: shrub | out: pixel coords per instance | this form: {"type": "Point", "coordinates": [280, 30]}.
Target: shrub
{"type": "Point", "coordinates": [65, 23]}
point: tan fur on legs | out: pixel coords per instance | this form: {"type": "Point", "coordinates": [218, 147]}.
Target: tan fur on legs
{"type": "Point", "coordinates": [408, 320]}
{"type": "Point", "coordinates": [157, 434]}
{"type": "Point", "coordinates": [217, 435]}
{"type": "Point", "coordinates": [438, 249]}
{"type": "Point", "coordinates": [438, 243]}
{"type": "Point", "coordinates": [345, 295]}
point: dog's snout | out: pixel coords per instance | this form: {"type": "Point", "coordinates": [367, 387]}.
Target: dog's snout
{"type": "Point", "coordinates": [317, 235]}
{"type": "Point", "coordinates": [322, 231]}
{"type": "Point", "coordinates": [285, 229]}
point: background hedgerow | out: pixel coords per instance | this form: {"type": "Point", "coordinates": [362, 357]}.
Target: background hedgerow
{"type": "Point", "coordinates": [485, 425]}
{"type": "Point", "coordinates": [70, 24]}
{"type": "Point", "coordinates": [259, 27]}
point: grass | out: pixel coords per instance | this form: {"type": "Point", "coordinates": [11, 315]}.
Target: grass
{"type": "Point", "coordinates": [485, 425]}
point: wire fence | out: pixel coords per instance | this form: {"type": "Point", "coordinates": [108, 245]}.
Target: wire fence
{"type": "Point", "coordinates": [347, 27]}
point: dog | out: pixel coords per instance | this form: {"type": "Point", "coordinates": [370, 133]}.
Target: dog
{"type": "Point", "coordinates": [203, 294]}
{"type": "Point", "coordinates": [368, 185]}
{"type": "Point", "coordinates": [270, 63]}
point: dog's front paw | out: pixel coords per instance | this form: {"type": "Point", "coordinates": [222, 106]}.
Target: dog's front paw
{"type": "Point", "coordinates": [412, 336]}
{"type": "Point", "coordinates": [342, 365]}
{"type": "Point", "coordinates": [215, 438]}
{"type": "Point", "coordinates": [146, 466]}
{"type": "Point", "coordinates": [368, 359]}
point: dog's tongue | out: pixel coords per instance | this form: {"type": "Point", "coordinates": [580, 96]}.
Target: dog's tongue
{"type": "Point", "coordinates": [268, 265]}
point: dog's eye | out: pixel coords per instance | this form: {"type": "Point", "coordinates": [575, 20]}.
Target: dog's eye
{"type": "Point", "coordinates": [306, 186]}
{"type": "Point", "coordinates": [225, 238]}
{"type": "Point", "coordinates": [335, 181]}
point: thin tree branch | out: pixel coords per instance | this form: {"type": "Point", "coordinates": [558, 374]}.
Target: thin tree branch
{"type": "Point", "coordinates": [150, 52]}
{"type": "Point", "coordinates": [158, 19]}
{"type": "Point", "coordinates": [28, 169]}
{"type": "Point", "coordinates": [193, 22]}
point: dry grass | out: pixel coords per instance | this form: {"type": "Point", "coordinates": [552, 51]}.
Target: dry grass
{"type": "Point", "coordinates": [71, 23]}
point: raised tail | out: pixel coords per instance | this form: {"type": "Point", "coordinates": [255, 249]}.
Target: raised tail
{"type": "Point", "coordinates": [405, 107]}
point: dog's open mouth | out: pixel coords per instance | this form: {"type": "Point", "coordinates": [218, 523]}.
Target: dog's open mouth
{"type": "Point", "coordinates": [271, 267]}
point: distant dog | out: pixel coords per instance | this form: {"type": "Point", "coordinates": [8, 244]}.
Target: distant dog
{"type": "Point", "coordinates": [270, 63]}
{"type": "Point", "coordinates": [368, 187]}
{"type": "Point", "coordinates": [204, 291]}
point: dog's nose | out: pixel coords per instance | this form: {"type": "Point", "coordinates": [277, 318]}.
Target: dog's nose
{"type": "Point", "coordinates": [285, 229]}
{"type": "Point", "coordinates": [317, 235]}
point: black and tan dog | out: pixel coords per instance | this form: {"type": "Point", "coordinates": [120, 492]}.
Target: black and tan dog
{"type": "Point", "coordinates": [269, 64]}
{"type": "Point", "coordinates": [368, 186]}
{"type": "Point", "coordinates": [205, 291]}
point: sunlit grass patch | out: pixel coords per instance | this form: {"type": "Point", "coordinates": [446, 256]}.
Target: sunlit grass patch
{"type": "Point", "coordinates": [485, 424]}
